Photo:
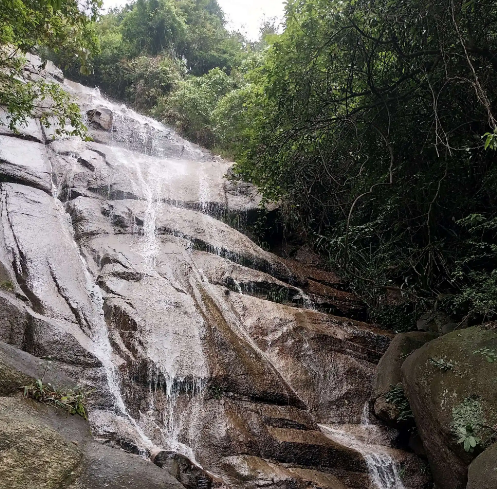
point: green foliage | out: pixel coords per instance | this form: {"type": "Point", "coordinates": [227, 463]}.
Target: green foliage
{"type": "Point", "coordinates": [153, 51]}
{"type": "Point", "coordinates": [365, 120]}
{"type": "Point", "coordinates": [467, 423]}
{"type": "Point", "coordinates": [191, 105]}
{"type": "Point", "coordinates": [152, 27]}
{"type": "Point", "coordinates": [490, 355]}
{"type": "Point", "coordinates": [397, 397]}
{"type": "Point", "coordinates": [148, 79]}
{"type": "Point", "coordinates": [7, 285]}
{"type": "Point", "coordinates": [64, 26]}
{"type": "Point", "coordinates": [73, 401]}
{"type": "Point", "coordinates": [490, 140]}
{"type": "Point", "coordinates": [442, 364]}
{"type": "Point", "coordinates": [467, 438]}
{"type": "Point", "coordinates": [475, 267]}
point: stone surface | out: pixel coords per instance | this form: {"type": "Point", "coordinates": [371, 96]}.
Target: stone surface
{"type": "Point", "coordinates": [436, 322]}
{"type": "Point", "coordinates": [47, 448]}
{"type": "Point", "coordinates": [18, 368]}
{"type": "Point", "coordinates": [31, 453]}
{"type": "Point", "coordinates": [436, 395]}
{"type": "Point", "coordinates": [105, 467]}
{"type": "Point", "coordinates": [25, 163]}
{"type": "Point", "coordinates": [101, 117]}
{"type": "Point", "coordinates": [30, 131]}
{"type": "Point", "coordinates": [482, 473]}
{"type": "Point", "coordinates": [252, 472]}
{"type": "Point", "coordinates": [388, 371]}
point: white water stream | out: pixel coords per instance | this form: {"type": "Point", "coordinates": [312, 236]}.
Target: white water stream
{"type": "Point", "coordinates": [364, 438]}
{"type": "Point", "coordinates": [102, 348]}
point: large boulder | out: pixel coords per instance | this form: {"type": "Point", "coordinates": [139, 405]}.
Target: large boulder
{"type": "Point", "coordinates": [388, 374]}
{"type": "Point", "coordinates": [47, 448]}
{"type": "Point", "coordinates": [31, 453]}
{"type": "Point", "coordinates": [451, 384]}
{"type": "Point", "coordinates": [18, 368]}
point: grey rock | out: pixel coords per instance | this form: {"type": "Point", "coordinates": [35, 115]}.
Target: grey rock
{"type": "Point", "coordinates": [101, 116]}
{"type": "Point", "coordinates": [47, 448]}
{"type": "Point", "coordinates": [22, 368]}
{"type": "Point", "coordinates": [30, 131]}
{"type": "Point", "coordinates": [25, 162]}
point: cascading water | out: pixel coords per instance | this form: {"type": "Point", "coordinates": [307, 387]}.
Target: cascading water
{"type": "Point", "coordinates": [100, 334]}
{"type": "Point", "coordinates": [382, 469]}
{"type": "Point", "coordinates": [103, 352]}
{"type": "Point", "coordinates": [154, 185]}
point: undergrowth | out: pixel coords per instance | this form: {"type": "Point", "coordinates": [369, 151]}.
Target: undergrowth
{"type": "Point", "coordinates": [71, 400]}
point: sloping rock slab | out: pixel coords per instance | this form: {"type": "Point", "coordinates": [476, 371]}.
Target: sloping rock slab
{"type": "Point", "coordinates": [47, 448]}
{"type": "Point", "coordinates": [327, 360]}
{"type": "Point", "coordinates": [25, 162]}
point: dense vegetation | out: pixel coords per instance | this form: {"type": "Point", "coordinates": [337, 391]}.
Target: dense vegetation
{"type": "Point", "coordinates": [372, 123]}
{"type": "Point", "coordinates": [26, 26]}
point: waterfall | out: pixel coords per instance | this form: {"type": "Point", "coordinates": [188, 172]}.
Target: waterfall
{"type": "Point", "coordinates": [103, 351]}
{"type": "Point", "coordinates": [382, 468]}
{"type": "Point", "coordinates": [383, 471]}
{"type": "Point", "coordinates": [154, 186]}
{"type": "Point", "coordinates": [102, 348]}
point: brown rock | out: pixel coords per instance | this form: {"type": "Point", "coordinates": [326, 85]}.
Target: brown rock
{"type": "Point", "coordinates": [482, 473]}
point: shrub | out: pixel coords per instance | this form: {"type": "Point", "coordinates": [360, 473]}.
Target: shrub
{"type": "Point", "coordinates": [72, 400]}
{"type": "Point", "coordinates": [397, 397]}
{"type": "Point", "coordinates": [468, 422]}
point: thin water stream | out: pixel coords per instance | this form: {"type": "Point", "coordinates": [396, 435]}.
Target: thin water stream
{"type": "Point", "coordinates": [383, 471]}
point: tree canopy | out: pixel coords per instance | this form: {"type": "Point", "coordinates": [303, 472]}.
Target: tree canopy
{"type": "Point", "coordinates": [366, 121]}
{"type": "Point", "coordinates": [65, 27]}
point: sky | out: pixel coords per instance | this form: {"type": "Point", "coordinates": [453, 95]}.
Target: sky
{"type": "Point", "coordinates": [247, 15]}
{"type": "Point", "coordinates": [243, 15]}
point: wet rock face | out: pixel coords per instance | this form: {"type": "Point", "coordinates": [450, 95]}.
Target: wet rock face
{"type": "Point", "coordinates": [118, 264]}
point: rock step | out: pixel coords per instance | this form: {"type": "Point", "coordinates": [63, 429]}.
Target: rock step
{"type": "Point", "coordinates": [313, 449]}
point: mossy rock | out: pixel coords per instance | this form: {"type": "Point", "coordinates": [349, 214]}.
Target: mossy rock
{"type": "Point", "coordinates": [442, 380]}
{"type": "Point", "coordinates": [387, 373]}
{"type": "Point", "coordinates": [31, 453]}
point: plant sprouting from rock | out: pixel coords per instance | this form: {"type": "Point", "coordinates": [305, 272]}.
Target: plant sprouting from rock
{"type": "Point", "coordinates": [467, 423]}
{"type": "Point", "coordinates": [490, 355]}
{"type": "Point", "coordinates": [72, 400]}
{"type": "Point", "coordinates": [397, 397]}
{"type": "Point", "coordinates": [442, 364]}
